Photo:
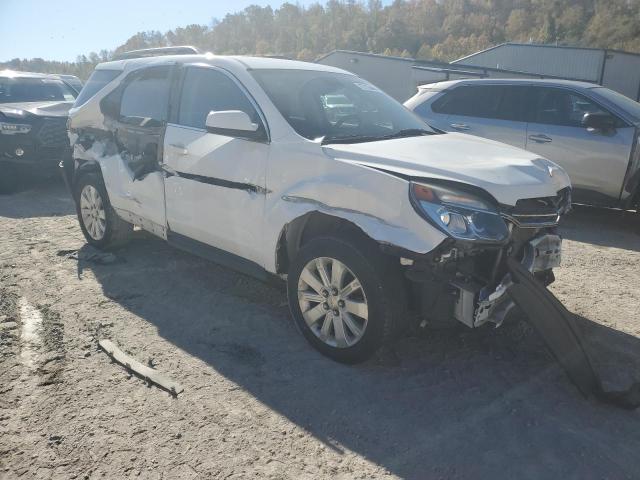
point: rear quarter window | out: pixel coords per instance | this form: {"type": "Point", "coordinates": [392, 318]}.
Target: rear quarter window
{"type": "Point", "coordinates": [97, 81]}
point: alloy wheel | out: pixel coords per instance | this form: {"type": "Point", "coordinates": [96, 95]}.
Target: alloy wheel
{"type": "Point", "coordinates": [93, 213]}
{"type": "Point", "coordinates": [333, 302]}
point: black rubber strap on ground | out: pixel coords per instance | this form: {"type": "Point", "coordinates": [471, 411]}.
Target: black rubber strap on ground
{"type": "Point", "coordinates": [558, 327]}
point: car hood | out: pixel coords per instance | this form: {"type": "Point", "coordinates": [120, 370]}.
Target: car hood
{"type": "Point", "coordinates": [41, 109]}
{"type": "Point", "coordinates": [506, 172]}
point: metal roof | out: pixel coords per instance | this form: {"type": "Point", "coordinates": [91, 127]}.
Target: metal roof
{"type": "Point", "coordinates": [247, 62]}
{"type": "Point", "coordinates": [19, 74]}
{"type": "Point", "coordinates": [560, 61]}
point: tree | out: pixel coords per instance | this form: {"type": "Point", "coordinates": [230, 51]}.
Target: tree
{"type": "Point", "coordinates": [426, 29]}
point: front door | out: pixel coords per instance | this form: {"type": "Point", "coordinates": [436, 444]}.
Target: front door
{"type": "Point", "coordinates": [596, 161]}
{"type": "Point", "coordinates": [215, 184]}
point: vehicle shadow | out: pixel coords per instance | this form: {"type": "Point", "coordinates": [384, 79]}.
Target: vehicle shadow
{"type": "Point", "coordinates": [53, 200]}
{"type": "Point", "coordinates": [602, 226]}
{"type": "Point", "coordinates": [485, 403]}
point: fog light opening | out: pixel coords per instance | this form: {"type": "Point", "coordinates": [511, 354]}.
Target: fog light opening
{"type": "Point", "coordinates": [19, 152]}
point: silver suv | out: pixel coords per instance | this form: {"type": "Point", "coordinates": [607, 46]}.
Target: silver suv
{"type": "Point", "coordinates": [591, 131]}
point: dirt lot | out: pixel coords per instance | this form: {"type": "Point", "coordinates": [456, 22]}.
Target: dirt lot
{"type": "Point", "coordinates": [259, 402]}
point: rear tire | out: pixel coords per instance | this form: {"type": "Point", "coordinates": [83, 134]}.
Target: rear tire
{"type": "Point", "coordinates": [346, 297]}
{"type": "Point", "coordinates": [100, 224]}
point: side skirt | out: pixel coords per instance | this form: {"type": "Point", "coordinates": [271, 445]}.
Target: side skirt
{"type": "Point", "coordinates": [218, 256]}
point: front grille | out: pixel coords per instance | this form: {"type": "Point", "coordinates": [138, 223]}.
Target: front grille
{"type": "Point", "coordinates": [539, 212]}
{"type": "Point", "coordinates": [53, 133]}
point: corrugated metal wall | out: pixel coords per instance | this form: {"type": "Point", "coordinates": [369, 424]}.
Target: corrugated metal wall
{"type": "Point", "coordinates": [399, 77]}
{"type": "Point", "coordinates": [622, 74]}
{"type": "Point", "coordinates": [570, 63]}
{"type": "Point", "coordinates": [390, 74]}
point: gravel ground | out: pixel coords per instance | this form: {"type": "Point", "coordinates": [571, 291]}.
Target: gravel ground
{"type": "Point", "coordinates": [259, 402]}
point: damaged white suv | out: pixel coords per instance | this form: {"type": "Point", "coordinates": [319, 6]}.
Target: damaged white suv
{"type": "Point", "coordinates": [375, 220]}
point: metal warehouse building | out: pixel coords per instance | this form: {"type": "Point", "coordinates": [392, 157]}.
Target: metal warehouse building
{"type": "Point", "coordinates": [399, 76]}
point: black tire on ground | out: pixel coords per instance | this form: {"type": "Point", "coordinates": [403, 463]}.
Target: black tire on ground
{"type": "Point", "coordinates": [381, 281]}
{"type": "Point", "coordinates": [117, 231]}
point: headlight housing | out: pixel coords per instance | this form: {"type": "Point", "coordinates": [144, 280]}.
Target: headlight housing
{"type": "Point", "coordinates": [459, 213]}
{"type": "Point", "coordinates": [10, 128]}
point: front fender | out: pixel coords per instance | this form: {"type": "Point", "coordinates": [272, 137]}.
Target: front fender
{"type": "Point", "coordinates": [376, 202]}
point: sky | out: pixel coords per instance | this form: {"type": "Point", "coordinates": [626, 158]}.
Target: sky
{"type": "Point", "coordinates": [62, 30]}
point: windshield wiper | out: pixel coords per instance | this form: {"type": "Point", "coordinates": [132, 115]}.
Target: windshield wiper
{"type": "Point", "coordinates": [408, 132]}
{"type": "Point", "coordinates": [348, 139]}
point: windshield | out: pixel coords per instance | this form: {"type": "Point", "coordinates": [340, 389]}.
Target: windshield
{"type": "Point", "coordinates": [622, 101]}
{"type": "Point", "coordinates": [14, 90]}
{"type": "Point", "coordinates": [308, 100]}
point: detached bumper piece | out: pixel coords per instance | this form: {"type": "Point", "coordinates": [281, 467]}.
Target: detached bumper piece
{"type": "Point", "coordinates": [559, 330]}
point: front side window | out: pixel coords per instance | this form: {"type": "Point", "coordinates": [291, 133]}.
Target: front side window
{"type": "Point", "coordinates": [557, 106]}
{"type": "Point", "coordinates": [20, 89]}
{"type": "Point", "coordinates": [336, 106]}
{"type": "Point", "coordinates": [630, 106]}
{"type": "Point", "coordinates": [207, 90]}
{"type": "Point", "coordinates": [501, 102]}
{"type": "Point", "coordinates": [145, 98]}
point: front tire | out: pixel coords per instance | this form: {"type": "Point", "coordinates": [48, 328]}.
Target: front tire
{"type": "Point", "coordinates": [346, 297]}
{"type": "Point", "coordinates": [101, 226]}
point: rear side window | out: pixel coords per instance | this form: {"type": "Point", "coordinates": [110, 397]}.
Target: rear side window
{"type": "Point", "coordinates": [145, 97]}
{"type": "Point", "coordinates": [205, 90]}
{"type": "Point", "coordinates": [502, 102]}
{"type": "Point", "coordinates": [97, 80]}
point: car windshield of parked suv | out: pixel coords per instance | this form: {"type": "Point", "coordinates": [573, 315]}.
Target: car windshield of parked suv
{"type": "Point", "coordinates": [336, 107]}
{"type": "Point", "coordinates": [20, 89]}
{"type": "Point", "coordinates": [625, 103]}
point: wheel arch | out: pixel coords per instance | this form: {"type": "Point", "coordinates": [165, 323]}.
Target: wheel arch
{"type": "Point", "coordinates": [314, 224]}
{"type": "Point", "coordinates": [82, 167]}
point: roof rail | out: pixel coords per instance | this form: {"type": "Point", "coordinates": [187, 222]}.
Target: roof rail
{"type": "Point", "coordinates": [155, 52]}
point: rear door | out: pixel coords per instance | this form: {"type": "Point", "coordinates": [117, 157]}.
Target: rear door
{"type": "Point", "coordinates": [490, 111]}
{"type": "Point", "coordinates": [136, 115]}
{"type": "Point", "coordinates": [596, 161]}
{"type": "Point", "coordinates": [215, 185]}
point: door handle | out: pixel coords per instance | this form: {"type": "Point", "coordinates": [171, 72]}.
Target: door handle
{"type": "Point", "coordinates": [168, 171]}
{"type": "Point", "coordinates": [180, 149]}
{"type": "Point", "coordinates": [460, 126]}
{"type": "Point", "coordinates": [540, 138]}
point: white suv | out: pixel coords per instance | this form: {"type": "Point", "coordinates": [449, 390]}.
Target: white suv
{"type": "Point", "coordinates": [376, 221]}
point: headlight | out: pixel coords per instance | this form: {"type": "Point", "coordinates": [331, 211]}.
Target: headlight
{"type": "Point", "coordinates": [458, 213]}
{"type": "Point", "coordinates": [11, 128]}
{"type": "Point", "coordinates": [13, 112]}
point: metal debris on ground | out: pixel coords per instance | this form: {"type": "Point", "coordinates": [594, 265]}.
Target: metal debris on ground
{"type": "Point", "coordinates": [558, 328]}
{"type": "Point", "coordinates": [142, 371]}
{"type": "Point", "coordinates": [90, 255]}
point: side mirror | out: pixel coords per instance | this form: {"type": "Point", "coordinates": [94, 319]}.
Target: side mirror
{"type": "Point", "coordinates": [599, 121]}
{"type": "Point", "coordinates": [233, 123]}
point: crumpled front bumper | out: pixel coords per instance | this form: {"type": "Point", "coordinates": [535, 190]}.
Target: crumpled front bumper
{"type": "Point", "coordinates": [476, 305]}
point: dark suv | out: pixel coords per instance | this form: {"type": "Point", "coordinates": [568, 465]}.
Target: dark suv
{"type": "Point", "coordinates": [33, 124]}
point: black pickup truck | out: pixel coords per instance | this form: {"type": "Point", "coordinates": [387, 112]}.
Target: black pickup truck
{"type": "Point", "coordinates": [33, 124]}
